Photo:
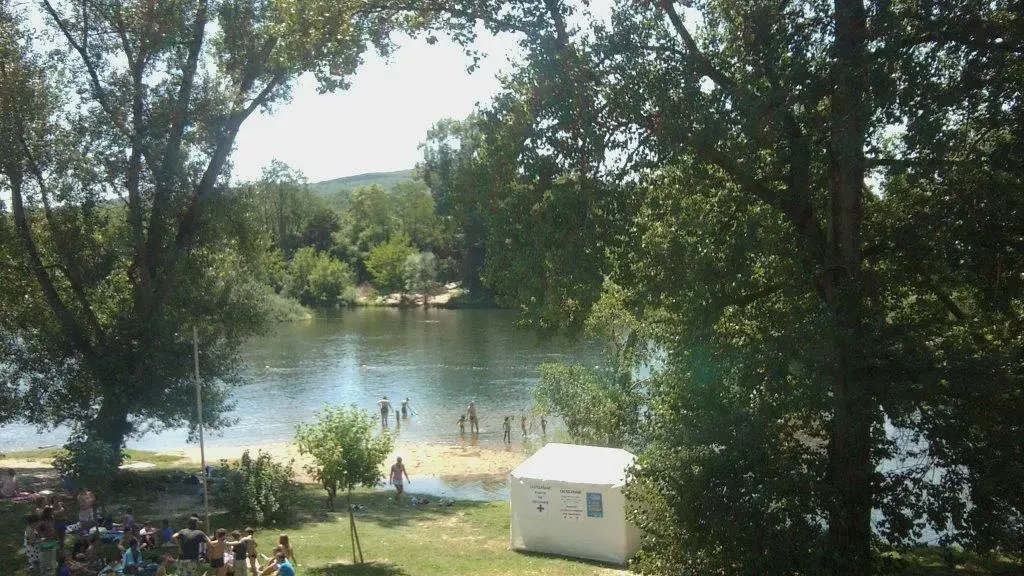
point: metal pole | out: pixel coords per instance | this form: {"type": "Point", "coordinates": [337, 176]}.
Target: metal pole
{"type": "Point", "coordinates": [199, 408]}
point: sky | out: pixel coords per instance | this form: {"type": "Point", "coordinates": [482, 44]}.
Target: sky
{"type": "Point", "coordinates": [378, 123]}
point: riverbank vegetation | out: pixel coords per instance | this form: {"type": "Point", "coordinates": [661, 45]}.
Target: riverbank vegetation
{"type": "Point", "coordinates": [362, 246]}
{"type": "Point", "coordinates": [796, 225]}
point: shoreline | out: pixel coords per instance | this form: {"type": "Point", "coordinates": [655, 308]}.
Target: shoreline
{"type": "Point", "coordinates": [449, 461]}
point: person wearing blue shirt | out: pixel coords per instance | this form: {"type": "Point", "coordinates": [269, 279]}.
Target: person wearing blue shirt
{"type": "Point", "coordinates": [284, 567]}
{"type": "Point", "coordinates": [166, 534]}
{"type": "Point", "coordinates": [132, 561]}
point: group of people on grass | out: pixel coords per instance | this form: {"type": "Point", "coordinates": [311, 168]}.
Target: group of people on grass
{"type": "Point", "coordinates": [236, 557]}
{"type": "Point", "coordinates": [90, 551]}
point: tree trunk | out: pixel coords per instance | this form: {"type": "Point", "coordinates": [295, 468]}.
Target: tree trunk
{"type": "Point", "coordinates": [353, 532]}
{"type": "Point", "coordinates": [850, 469]}
{"type": "Point", "coordinates": [111, 423]}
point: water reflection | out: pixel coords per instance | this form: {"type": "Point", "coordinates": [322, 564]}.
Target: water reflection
{"type": "Point", "coordinates": [440, 359]}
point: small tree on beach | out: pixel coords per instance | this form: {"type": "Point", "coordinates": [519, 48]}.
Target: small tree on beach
{"type": "Point", "coordinates": [346, 454]}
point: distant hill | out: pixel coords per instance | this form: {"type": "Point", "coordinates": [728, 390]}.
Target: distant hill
{"type": "Point", "coordinates": [386, 180]}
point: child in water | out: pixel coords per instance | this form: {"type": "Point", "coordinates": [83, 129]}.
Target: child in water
{"type": "Point", "coordinates": [462, 424]}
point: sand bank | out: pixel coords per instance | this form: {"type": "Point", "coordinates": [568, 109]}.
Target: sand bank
{"type": "Point", "coordinates": [452, 461]}
{"type": "Point", "coordinates": [444, 460]}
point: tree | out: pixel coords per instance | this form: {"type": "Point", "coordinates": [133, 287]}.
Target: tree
{"type": "Point", "coordinates": [368, 220]}
{"type": "Point", "coordinates": [601, 405]}
{"type": "Point", "coordinates": [807, 319]}
{"type": "Point", "coordinates": [420, 274]}
{"type": "Point", "coordinates": [114, 143]}
{"type": "Point", "coordinates": [386, 263]}
{"type": "Point", "coordinates": [415, 215]}
{"type": "Point", "coordinates": [317, 279]}
{"type": "Point", "coordinates": [347, 453]}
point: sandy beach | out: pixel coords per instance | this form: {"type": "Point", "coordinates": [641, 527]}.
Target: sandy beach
{"type": "Point", "coordinates": [421, 459]}
{"type": "Point", "coordinates": [445, 460]}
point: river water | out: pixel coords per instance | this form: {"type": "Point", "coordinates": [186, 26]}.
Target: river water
{"type": "Point", "coordinates": [440, 359]}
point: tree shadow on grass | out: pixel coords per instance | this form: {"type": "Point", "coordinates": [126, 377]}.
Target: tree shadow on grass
{"type": "Point", "coordinates": [365, 569]}
{"type": "Point", "coordinates": [586, 561]}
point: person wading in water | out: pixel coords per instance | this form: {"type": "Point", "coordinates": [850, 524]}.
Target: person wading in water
{"type": "Point", "coordinates": [397, 470]}
{"type": "Point", "coordinates": [385, 409]}
{"type": "Point", "coordinates": [474, 424]}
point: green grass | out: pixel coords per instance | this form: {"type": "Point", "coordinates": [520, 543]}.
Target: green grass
{"type": "Point", "coordinates": [44, 457]}
{"type": "Point", "coordinates": [396, 538]}
{"type": "Point", "coordinates": [399, 539]}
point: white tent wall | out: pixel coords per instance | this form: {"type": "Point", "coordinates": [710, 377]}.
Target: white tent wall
{"type": "Point", "coordinates": [555, 510]}
{"type": "Point", "coordinates": [562, 526]}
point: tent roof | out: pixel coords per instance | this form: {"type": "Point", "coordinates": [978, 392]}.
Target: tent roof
{"type": "Point", "coordinates": [576, 464]}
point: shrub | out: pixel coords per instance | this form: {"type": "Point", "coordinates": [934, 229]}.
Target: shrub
{"type": "Point", "coordinates": [260, 490]}
{"type": "Point", "coordinates": [88, 463]}
{"type": "Point", "coordinates": [319, 280]}
{"type": "Point", "coordinates": [420, 272]}
{"type": "Point", "coordinates": [386, 264]}
{"type": "Point", "coordinates": [345, 449]}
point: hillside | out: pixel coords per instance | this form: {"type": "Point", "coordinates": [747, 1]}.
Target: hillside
{"type": "Point", "coordinates": [385, 180]}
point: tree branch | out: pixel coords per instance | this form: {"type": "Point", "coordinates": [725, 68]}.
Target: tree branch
{"type": "Point", "coordinates": [97, 87]}
{"type": "Point", "coordinates": [168, 167]}
{"type": "Point", "coordinates": [797, 210]}
{"type": "Point", "coordinates": [68, 265]}
{"type": "Point", "coordinates": [74, 332]}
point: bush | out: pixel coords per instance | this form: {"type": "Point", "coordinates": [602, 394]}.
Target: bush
{"type": "Point", "coordinates": [260, 490]}
{"type": "Point", "coordinates": [420, 272]}
{"type": "Point", "coordinates": [88, 464]}
{"type": "Point", "coordinates": [319, 280]}
{"type": "Point", "coordinates": [386, 264]}
{"type": "Point", "coordinates": [345, 449]}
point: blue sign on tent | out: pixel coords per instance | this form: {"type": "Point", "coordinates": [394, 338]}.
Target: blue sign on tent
{"type": "Point", "coordinates": [594, 507]}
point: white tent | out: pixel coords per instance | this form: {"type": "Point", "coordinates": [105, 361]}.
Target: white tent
{"type": "Point", "coordinates": [568, 500]}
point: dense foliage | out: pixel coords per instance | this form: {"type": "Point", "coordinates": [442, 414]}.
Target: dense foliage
{"type": "Point", "coordinates": [117, 121]}
{"type": "Point", "coordinates": [813, 212]}
{"type": "Point", "coordinates": [260, 490]}
{"type": "Point", "coordinates": [347, 452]}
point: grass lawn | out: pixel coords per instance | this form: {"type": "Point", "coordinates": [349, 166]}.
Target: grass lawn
{"type": "Point", "coordinates": [397, 539]}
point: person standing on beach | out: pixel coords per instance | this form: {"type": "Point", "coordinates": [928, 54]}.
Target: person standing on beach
{"type": "Point", "coordinates": [474, 424]}
{"type": "Point", "coordinates": [385, 408]}
{"type": "Point", "coordinates": [397, 470]}
{"type": "Point", "coordinates": [522, 423]}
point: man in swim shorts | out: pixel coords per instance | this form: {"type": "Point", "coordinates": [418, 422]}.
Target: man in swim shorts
{"type": "Point", "coordinates": [385, 409]}
{"type": "Point", "coordinates": [474, 424]}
